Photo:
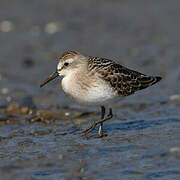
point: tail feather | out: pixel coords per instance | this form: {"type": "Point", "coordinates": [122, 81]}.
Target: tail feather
{"type": "Point", "coordinates": [157, 79]}
{"type": "Point", "coordinates": [146, 81]}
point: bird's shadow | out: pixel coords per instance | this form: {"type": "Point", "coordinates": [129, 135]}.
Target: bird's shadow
{"type": "Point", "coordinates": [136, 124]}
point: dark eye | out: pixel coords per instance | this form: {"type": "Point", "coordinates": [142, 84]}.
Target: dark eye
{"type": "Point", "coordinates": [66, 64]}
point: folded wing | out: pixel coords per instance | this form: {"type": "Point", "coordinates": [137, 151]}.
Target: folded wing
{"type": "Point", "coordinates": [125, 81]}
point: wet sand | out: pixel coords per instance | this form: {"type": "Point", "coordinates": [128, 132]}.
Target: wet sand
{"type": "Point", "coordinates": [39, 126]}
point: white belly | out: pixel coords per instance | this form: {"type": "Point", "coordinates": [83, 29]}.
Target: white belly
{"type": "Point", "coordinates": [99, 94]}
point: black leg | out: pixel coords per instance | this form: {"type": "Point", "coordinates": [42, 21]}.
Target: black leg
{"type": "Point", "coordinates": [100, 131]}
{"type": "Point", "coordinates": [110, 112]}
{"type": "Point", "coordinates": [91, 128]}
{"type": "Point", "coordinates": [103, 111]}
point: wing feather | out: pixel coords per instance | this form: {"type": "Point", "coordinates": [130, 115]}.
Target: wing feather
{"type": "Point", "coordinates": [123, 80]}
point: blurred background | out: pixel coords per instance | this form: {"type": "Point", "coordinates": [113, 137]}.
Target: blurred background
{"type": "Point", "coordinates": [142, 35]}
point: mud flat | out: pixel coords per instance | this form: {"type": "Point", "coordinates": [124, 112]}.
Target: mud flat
{"type": "Point", "coordinates": [39, 127]}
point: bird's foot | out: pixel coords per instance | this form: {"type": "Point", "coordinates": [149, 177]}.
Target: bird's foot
{"type": "Point", "coordinates": [89, 129]}
{"type": "Point", "coordinates": [88, 136]}
{"type": "Point", "coordinates": [92, 127]}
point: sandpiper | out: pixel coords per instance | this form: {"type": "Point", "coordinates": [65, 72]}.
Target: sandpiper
{"type": "Point", "coordinates": [95, 81]}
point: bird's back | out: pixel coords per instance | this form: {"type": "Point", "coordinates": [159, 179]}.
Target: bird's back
{"type": "Point", "coordinates": [123, 80]}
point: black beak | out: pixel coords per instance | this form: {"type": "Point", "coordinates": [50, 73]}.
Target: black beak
{"type": "Point", "coordinates": [52, 76]}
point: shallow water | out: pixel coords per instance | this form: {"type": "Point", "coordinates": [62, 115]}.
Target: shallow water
{"type": "Point", "coordinates": [143, 136]}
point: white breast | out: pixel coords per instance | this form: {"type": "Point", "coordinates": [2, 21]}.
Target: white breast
{"type": "Point", "coordinates": [99, 93]}
{"type": "Point", "coordinates": [71, 88]}
{"type": "Point", "coordinates": [102, 94]}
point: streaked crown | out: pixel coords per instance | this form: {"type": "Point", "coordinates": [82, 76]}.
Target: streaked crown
{"type": "Point", "coordinates": [68, 55]}
{"type": "Point", "coordinates": [70, 61]}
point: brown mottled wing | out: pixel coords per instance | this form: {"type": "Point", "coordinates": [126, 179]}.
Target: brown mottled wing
{"type": "Point", "coordinates": [122, 80]}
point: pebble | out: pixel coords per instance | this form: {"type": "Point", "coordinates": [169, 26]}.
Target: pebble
{"type": "Point", "coordinates": [4, 91]}
{"type": "Point", "coordinates": [175, 97]}
{"type": "Point", "coordinates": [175, 150]}
{"type": "Point", "coordinates": [45, 114]}
{"type": "Point", "coordinates": [6, 26]}
{"type": "Point", "coordinates": [24, 110]}
{"type": "Point", "coordinates": [13, 109]}
{"type": "Point", "coordinates": [9, 98]}
{"type": "Point", "coordinates": [67, 113]}
{"type": "Point", "coordinates": [52, 27]}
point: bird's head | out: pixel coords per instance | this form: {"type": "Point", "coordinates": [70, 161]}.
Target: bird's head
{"type": "Point", "coordinates": [69, 62]}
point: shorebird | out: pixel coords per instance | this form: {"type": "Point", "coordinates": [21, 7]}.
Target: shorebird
{"type": "Point", "coordinates": [95, 81]}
